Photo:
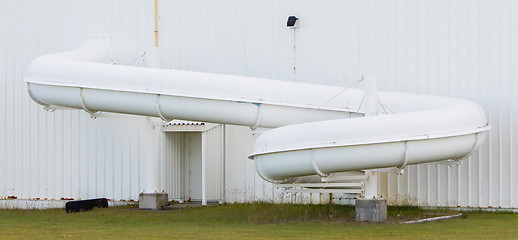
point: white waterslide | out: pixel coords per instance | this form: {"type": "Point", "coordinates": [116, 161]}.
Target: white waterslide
{"type": "Point", "coordinates": [318, 129]}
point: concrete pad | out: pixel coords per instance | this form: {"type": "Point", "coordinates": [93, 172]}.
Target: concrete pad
{"type": "Point", "coordinates": [371, 210]}
{"type": "Point", "coordinates": [152, 201]}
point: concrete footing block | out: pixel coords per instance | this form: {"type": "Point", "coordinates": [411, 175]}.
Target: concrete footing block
{"type": "Point", "coordinates": [371, 210]}
{"type": "Point", "coordinates": [152, 201]}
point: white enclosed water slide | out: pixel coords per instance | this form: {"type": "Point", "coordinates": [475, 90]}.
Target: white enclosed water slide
{"type": "Point", "coordinates": [318, 129]}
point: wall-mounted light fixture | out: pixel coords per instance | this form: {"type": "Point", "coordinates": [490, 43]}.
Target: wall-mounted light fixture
{"type": "Point", "coordinates": [292, 22]}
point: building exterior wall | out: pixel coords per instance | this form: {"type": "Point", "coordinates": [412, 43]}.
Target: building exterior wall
{"type": "Point", "coordinates": [66, 154]}
{"type": "Point", "coordinates": [174, 166]}
{"type": "Point", "coordinates": [182, 161]}
{"type": "Point", "coordinates": [214, 155]}
{"type": "Point", "coordinates": [183, 166]}
{"type": "Point", "coordinates": [458, 48]}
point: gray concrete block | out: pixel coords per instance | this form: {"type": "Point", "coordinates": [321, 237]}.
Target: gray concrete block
{"type": "Point", "coordinates": [152, 201]}
{"type": "Point", "coordinates": [371, 210]}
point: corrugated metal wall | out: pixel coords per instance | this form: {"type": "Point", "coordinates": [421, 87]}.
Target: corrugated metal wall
{"type": "Point", "coordinates": [241, 181]}
{"type": "Point", "coordinates": [183, 159]}
{"type": "Point", "coordinates": [214, 151]}
{"type": "Point", "coordinates": [174, 166]}
{"type": "Point", "coordinates": [191, 172]}
{"type": "Point", "coordinates": [65, 154]}
{"type": "Point", "coordinates": [459, 48]}
{"type": "Point", "coordinates": [243, 184]}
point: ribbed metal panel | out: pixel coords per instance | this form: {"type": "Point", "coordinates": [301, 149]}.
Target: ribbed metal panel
{"type": "Point", "coordinates": [65, 154]}
{"type": "Point", "coordinates": [241, 182]}
{"type": "Point", "coordinates": [192, 162]}
{"type": "Point", "coordinates": [214, 160]}
{"type": "Point", "coordinates": [458, 48]}
{"type": "Point", "coordinates": [183, 161]}
{"type": "Point", "coordinates": [174, 165]}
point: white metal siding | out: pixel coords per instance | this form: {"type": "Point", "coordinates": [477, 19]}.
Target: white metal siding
{"type": "Point", "coordinates": [240, 176]}
{"type": "Point", "coordinates": [242, 183]}
{"type": "Point", "coordinates": [183, 161]}
{"type": "Point", "coordinates": [65, 154]}
{"type": "Point", "coordinates": [174, 166]}
{"type": "Point", "coordinates": [183, 165]}
{"type": "Point", "coordinates": [192, 163]}
{"type": "Point", "coordinates": [459, 48]}
{"type": "Point", "coordinates": [214, 155]}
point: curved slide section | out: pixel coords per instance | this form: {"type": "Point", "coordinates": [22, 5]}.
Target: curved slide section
{"type": "Point", "coordinates": [314, 134]}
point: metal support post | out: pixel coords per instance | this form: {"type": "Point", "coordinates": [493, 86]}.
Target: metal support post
{"type": "Point", "coordinates": [203, 169]}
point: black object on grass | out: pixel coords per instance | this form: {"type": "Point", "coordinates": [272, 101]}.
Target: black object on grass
{"type": "Point", "coordinates": [86, 205]}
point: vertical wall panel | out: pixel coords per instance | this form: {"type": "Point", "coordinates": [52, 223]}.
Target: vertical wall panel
{"type": "Point", "coordinates": [214, 162]}
{"type": "Point", "coordinates": [66, 154]}
{"type": "Point", "coordinates": [193, 163]}
{"type": "Point", "coordinates": [174, 166]}
{"type": "Point", "coordinates": [182, 163]}
{"type": "Point", "coordinates": [513, 108]}
{"type": "Point", "coordinates": [240, 177]}
{"type": "Point", "coordinates": [176, 176]}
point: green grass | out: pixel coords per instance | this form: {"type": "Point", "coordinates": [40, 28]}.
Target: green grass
{"type": "Point", "coordinates": [251, 221]}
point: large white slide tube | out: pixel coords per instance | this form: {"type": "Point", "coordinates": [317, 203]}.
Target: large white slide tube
{"type": "Point", "coordinates": [414, 129]}
{"type": "Point", "coordinates": [82, 79]}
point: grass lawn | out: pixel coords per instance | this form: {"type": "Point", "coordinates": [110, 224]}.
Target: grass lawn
{"type": "Point", "coordinates": [251, 221]}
